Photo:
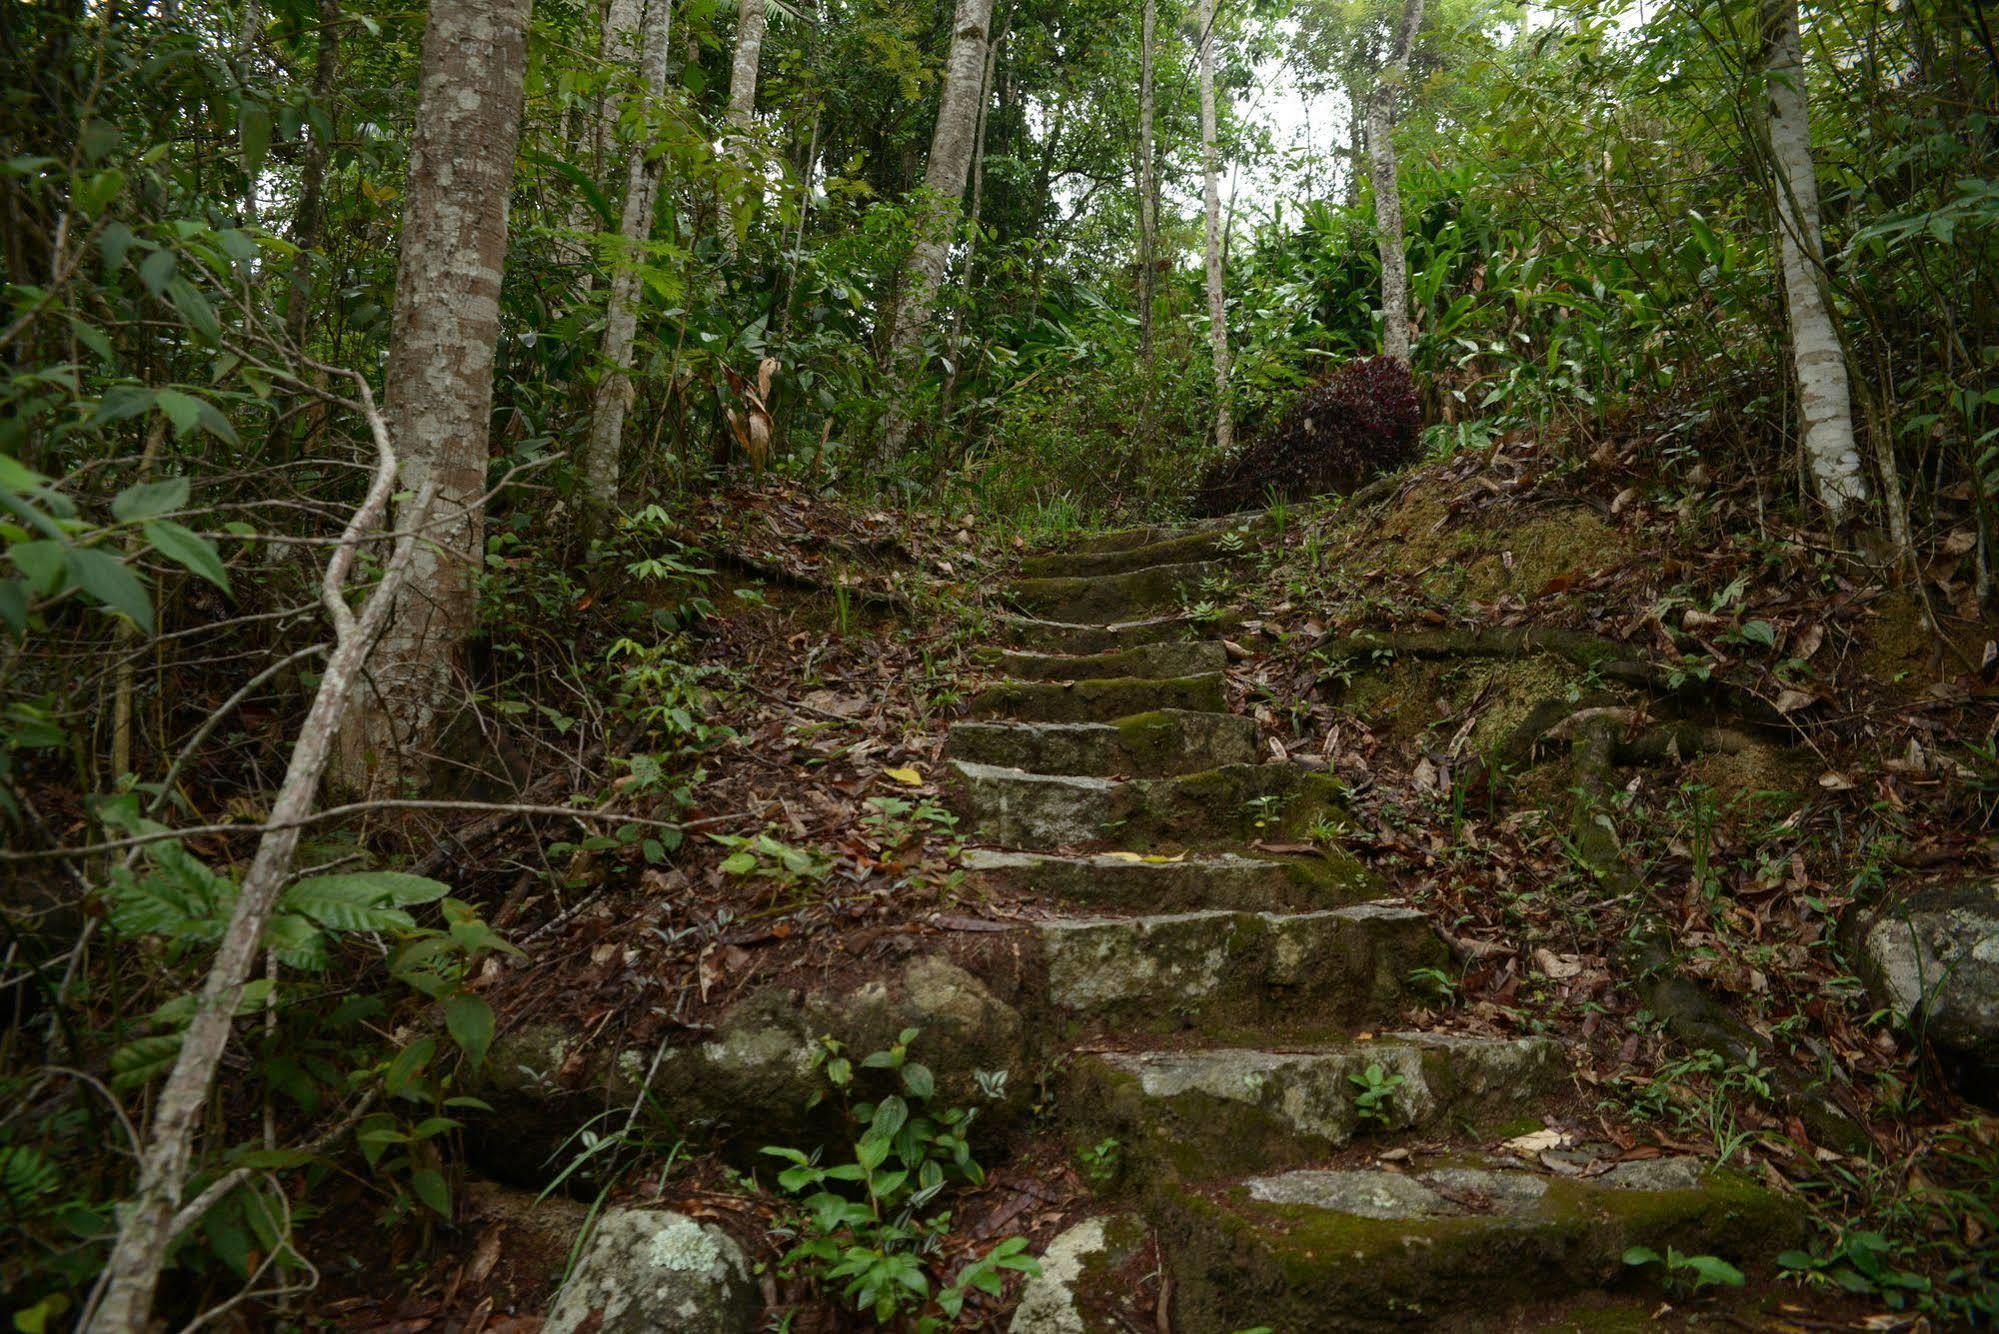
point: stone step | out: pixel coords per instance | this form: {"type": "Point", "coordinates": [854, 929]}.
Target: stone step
{"type": "Point", "coordinates": [1184, 658]}
{"type": "Point", "coordinates": [1073, 637]}
{"type": "Point", "coordinates": [1214, 1112]}
{"type": "Point", "coordinates": [1112, 598]}
{"type": "Point", "coordinates": [1223, 880]}
{"type": "Point", "coordinates": [1232, 804]}
{"type": "Point", "coordinates": [1154, 744]}
{"type": "Point", "coordinates": [1099, 700]}
{"type": "Point", "coordinates": [1124, 539]}
{"type": "Point", "coordinates": [1224, 973]}
{"type": "Point", "coordinates": [1459, 1247]}
{"type": "Point", "coordinates": [1169, 550]}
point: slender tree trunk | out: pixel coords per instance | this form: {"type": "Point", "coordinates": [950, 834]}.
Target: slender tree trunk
{"type": "Point", "coordinates": [439, 396]}
{"type": "Point", "coordinates": [751, 20]}
{"type": "Point", "coordinates": [621, 321]}
{"type": "Point", "coordinates": [1388, 187]}
{"type": "Point", "coordinates": [618, 46]}
{"type": "Point", "coordinates": [1218, 325]}
{"type": "Point", "coordinates": [971, 277]}
{"type": "Point", "coordinates": [939, 210]}
{"type": "Point", "coordinates": [1825, 399]}
{"type": "Point", "coordinates": [310, 215]}
{"type": "Point", "coordinates": [1148, 201]}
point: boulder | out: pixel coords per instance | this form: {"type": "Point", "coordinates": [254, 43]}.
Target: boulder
{"type": "Point", "coordinates": [1932, 958]}
{"type": "Point", "coordinates": [653, 1271]}
{"type": "Point", "coordinates": [1079, 1272]}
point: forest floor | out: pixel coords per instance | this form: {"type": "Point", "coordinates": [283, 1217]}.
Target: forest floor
{"type": "Point", "coordinates": [1842, 746]}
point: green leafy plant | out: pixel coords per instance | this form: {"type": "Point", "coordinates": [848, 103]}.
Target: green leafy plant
{"type": "Point", "coordinates": [1103, 1160]}
{"type": "Point", "coordinates": [869, 1225]}
{"type": "Point", "coordinates": [1686, 1273]}
{"type": "Point", "coordinates": [1374, 1094]}
{"type": "Point", "coordinates": [1858, 1261]}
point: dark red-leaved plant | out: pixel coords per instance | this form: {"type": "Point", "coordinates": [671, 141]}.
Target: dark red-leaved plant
{"type": "Point", "coordinates": [1360, 420]}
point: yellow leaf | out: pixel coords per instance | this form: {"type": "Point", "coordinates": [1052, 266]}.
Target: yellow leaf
{"type": "Point", "coordinates": [1125, 856]}
{"type": "Point", "coordinates": [1158, 859]}
{"type": "Point", "coordinates": [907, 777]}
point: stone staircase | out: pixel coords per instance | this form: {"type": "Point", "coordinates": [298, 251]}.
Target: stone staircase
{"type": "Point", "coordinates": [1224, 1006]}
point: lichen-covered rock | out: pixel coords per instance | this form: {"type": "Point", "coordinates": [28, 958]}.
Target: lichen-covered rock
{"type": "Point", "coordinates": [1044, 636]}
{"type": "Point", "coordinates": [652, 1271]}
{"type": "Point", "coordinates": [1330, 879]}
{"type": "Point", "coordinates": [1184, 658]}
{"type": "Point", "coordinates": [1933, 959]}
{"type": "Point", "coordinates": [1216, 970]}
{"type": "Point", "coordinates": [1453, 1247]}
{"type": "Point", "coordinates": [1079, 1263]}
{"type": "Point", "coordinates": [1226, 806]}
{"type": "Point", "coordinates": [750, 1082]}
{"type": "Point", "coordinates": [1211, 1111]}
{"type": "Point", "coordinates": [1155, 744]}
{"type": "Point", "coordinates": [1097, 700]}
{"type": "Point", "coordinates": [1116, 597]}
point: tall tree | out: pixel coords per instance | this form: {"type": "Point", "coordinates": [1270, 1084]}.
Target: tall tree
{"type": "Point", "coordinates": [1388, 187]}
{"type": "Point", "coordinates": [1148, 194]}
{"type": "Point", "coordinates": [618, 47]}
{"type": "Point", "coordinates": [439, 382]}
{"type": "Point", "coordinates": [1825, 401]}
{"type": "Point", "coordinates": [939, 208]}
{"type": "Point", "coordinates": [1218, 327]}
{"type": "Point", "coordinates": [604, 445]}
{"type": "Point", "coordinates": [751, 19]}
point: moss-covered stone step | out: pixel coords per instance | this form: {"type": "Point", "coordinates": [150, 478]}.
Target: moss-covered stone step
{"type": "Point", "coordinates": [1221, 972]}
{"type": "Point", "coordinates": [1183, 658]}
{"type": "Point", "coordinates": [1114, 881]}
{"type": "Point", "coordinates": [1170, 550]}
{"type": "Point", "coordinates": [1099, 700]}
{"type": "Point", "coordinates": [1225, 806]}
{"type": "Point", "coordinates": [1219, 1112]}
{"type": "Point", "coordinates": [1155, 744]}
{"type": "Point", "coordinates": [1071, 637]}
{"type": "Point", "coordinates": [1124, 539]}
{"type": "Point", "coordinates": [1110, 598]}
{"type": "Point", "coordinates": [1448, 1248]}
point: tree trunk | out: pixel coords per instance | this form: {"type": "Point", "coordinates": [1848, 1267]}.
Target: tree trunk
{"type": "Point", "coordinates": [310, 215]}
{"type": "Point", "coordinates": [1218, 327]}
{"type": "Point", "coordinates": [617, 46]}
{"type": "Point", "coordinates": [439, 382]}
{"type": "Point", "coordinates": [599, 493]}
{"type": "Point", "coordinates": [751, 20]}
{"type": "Point", "coordinates": [1388, 188]}
{"type": "Point", "coordinates": [1825, 401]}
{"type": "Point", "coordinates": [939, 210]}
{"type": "Point", "coordinates": [1148, 202]}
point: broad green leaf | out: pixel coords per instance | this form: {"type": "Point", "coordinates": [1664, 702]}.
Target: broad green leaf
{"type": "Point", "coordinates": [121, 401]}
{"type": "Point", "coordinates": [42, 561]}
{"type": "Point", "coordinates": [253, 124]}
{"type": "Point", "coordinates": [470, 1022]}
{"type": "Point", "coordinates": [190, 549]}
{"type": "Point", "coordinates": [427, 1183]}
{"type": "Point", "coordinates": [107, 580]}
{"type": "Point", "coordinates": [183, 410]}
{"type": "Point", "coordinates": [14, 605]}
{"type": "Point", "coordinates": [149, 500]}
{"type": "Point", "coordinates": [408, 1064]}
{"type": "Point", "coordinates": [142, 1060]}
{"type": "Point", "coordinates": [157, 270]}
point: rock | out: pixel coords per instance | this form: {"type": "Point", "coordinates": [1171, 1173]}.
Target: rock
{"type": "Point", "coordinates": [1109, 598]}
{"type": "Point", "coordinates": [1154, 744]}
{"type": "Point", "coordinates": [1933, 959]}
{"type": "Point", "coordinates": [1078, 1263]}
{"type": "Point", "coordinates": [1100, 699]}
{"type": "Point", "coordinates": [653, 1271]}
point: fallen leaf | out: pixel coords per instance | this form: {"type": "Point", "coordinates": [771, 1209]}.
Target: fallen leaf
{"type": "Point", "coordinates": [907, 777]}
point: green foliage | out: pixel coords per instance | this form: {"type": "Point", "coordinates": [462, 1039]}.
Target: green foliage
{"type": "Point", "coordinates": [1686, 1273]}
{"type": "Point", "coordinates": [1374, 1094]}
{"type": "Point", "coordinates": [868, 1224]}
